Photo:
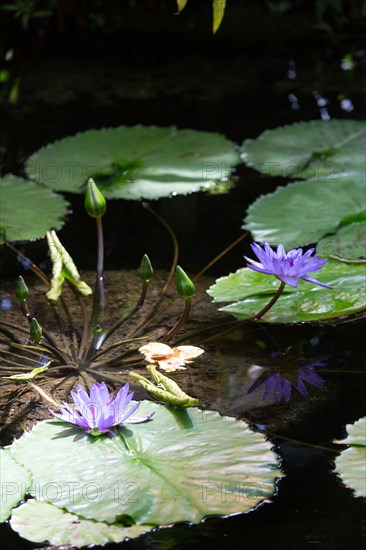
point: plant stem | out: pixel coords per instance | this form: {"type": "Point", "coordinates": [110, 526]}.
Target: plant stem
{"type": "Point", "coordinates": [32, 266]}
{"type": "Point", "coordinates": [270, 304]}
{"type": "Point", "coordinates": [179, 324]}
{"type": "Point", "coordinates": [124, 318]}
{"type": "Point", "coordinates": [220, 255]}
{"type": "Point", "coordinates": [155, 310]}
{"type": "Point", "coordinates": [99, 299]}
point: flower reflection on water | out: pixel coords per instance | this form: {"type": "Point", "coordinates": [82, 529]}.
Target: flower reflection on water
{"type": "Point", "coordinates": [281, 386]}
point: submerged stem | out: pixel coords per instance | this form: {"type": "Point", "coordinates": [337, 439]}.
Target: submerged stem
{"type": "Point", "coordinates": [270, 304]}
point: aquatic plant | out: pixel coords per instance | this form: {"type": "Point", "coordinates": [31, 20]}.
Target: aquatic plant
{"type": "Point", "coordinates": [82, 353]}
{"type": "Point", "coordinates": [350, 465]}
{"type": "Point", "coordinates": [327, 159]}
{"type": "Point", "coordinates": [287, 267]}
{"type": "Point", "coordinates": [184, 465]}
{"type": "Point", "coordinates": [98, 412]}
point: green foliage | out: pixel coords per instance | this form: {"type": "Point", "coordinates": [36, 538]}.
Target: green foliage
{"type": "Point", "coordinates": [348, 242]}
{"type": "Point", "coordinates": [314, 149]}
{"type": "Point", "coordinates": [305, 212]}
{"type": "Point", "coordinates": [28, 210]}
{"type": "Point", "coordinates": [218, 8]}
{"type": "Point", "coordinates": [40, 522]}
{"type": "Point", "coordinates": [251, 292]}
{"type": "Point", "coordinates": [181, 466]}
{"type": "Point", "coordinates": [15, 481]}
{"type": "Point", "coordinates": [135, 162]}
{"type": "Point", "coordinates": [350, 465]}
{"type": "Point", "coordinates": [330, 156]}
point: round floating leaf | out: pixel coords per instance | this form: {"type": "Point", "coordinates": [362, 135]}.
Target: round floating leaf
{"type": "Point", "coordinates": [303, 212]}
{"type": "Point", "coordinates": [315, 149]}
{"type": "Point", "coordinates": [181, 466]}
{"type": "Point", "coordinates": [28, 210]}
{"type": "Point", "coordinates": [135, 162]}
{"type": "Point", "coordinates": [349, 242]}
{"type": "Point", "coordinates": [351, 464]}
{"type": "Point", "coordinates": [15, 480]}
{"type": "Point", "coordinates": [307, 302]}
{"type": "Point", "coordinates": [40, 522]}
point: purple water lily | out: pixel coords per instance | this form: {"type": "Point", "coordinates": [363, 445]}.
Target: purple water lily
{"type": "Point", "coordinates": [289, 266]}
{"type": "Point", "coordinates": [99, 412]}
{"type": "Point", "coordinates": [281, 387]}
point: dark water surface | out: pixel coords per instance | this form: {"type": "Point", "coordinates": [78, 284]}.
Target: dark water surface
{"type": "Point", "coordinates": [253, 76]}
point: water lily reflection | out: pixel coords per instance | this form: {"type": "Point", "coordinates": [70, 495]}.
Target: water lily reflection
{"type": "Point", "coordinates": [280, 385]}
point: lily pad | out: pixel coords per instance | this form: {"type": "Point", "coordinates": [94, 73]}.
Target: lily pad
{"type": "Point", "coordinates": [304, 212]}
{"type": "Point", "coordinates": [15, 481]}
{"type": "Point", "coordinates": [315, 149]}
{"type": "Point", "coordinates": [135, 162]}
{"type": "Point", "coordinates": [252, 291]}
{"type": "Point", "coordinates": [349, 242]}
{"type": "Point", "coordinates": [40, 522]}
{"type": "Point", "coordinates": [181, 466]}
{"type": "Point", "coordinates": [28, 210]}
{"type": "Point", "coordinates": [351, 464]}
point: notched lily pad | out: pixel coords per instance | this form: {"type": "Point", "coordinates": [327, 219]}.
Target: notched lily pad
{"type": "Point", "coordinates": [351, 464]}
{"type": "Point", "coordinates": [315, 149]}
{"type": "Point", "coordinates": [181, 466]}
{"type": "Point", "coordinates": [41, 521]}
{"type": "Point", "coordinates": [252, 291]}
{"type": "Point", "coordinates": [15, 481]}
{"type": "Point", "coordinates": [135, 162]}
{"type": "Point", "coordinates": [349, 242]}
{"type": "Point", "coordinates": [304, 212]}
{"type": "Point", "coordinates": [28, 210]}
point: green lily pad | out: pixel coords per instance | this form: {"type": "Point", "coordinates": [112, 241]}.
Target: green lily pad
{"type": "Point", "coordinates": [28, 210]}
{"type": "Point", "coordinates": [308, 302]}
{"type": "Point", "coordinates": [40, 522]}
{"type": "Point", "coordinates": [135, 162]}
{"type": "Point", "coordinates": [349, 242]}
{"type": "Point", "coordinates": [304, 212]}
{"type": "Point", "coordinates": [315, 149]}
{"type": "Point", "coordinates": [15, 481]}
{"type": "Point", "coordinates": [181, 466]}
{"type": "Point", "coordinates": [351, 463]}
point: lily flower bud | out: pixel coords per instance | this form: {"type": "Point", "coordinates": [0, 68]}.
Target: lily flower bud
{"type": "Point", "coordinates": [21, 290]}
{"type": "Point", "coordinates": [35, 330]}
{"type": "Point", "coordinates": [145, 270]}
{"type": "Point", "coordinates": [185, 286]}
{"type": "Point", "coordinates": [95, 203]}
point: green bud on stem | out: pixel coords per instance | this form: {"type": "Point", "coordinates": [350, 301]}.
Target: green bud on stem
{"type": "Point", "coordinates": [95, 203]}
{"type": "Point", "coordinates": [35, 330]}
{"type": "Point", "coordinates": [21, 290]}
{"type": "Point", "coordinates": [145, 270]}
{"type": "Point", "coordinates": [97, 329]}
{"type": "Point", "coordinates": [185, 286]}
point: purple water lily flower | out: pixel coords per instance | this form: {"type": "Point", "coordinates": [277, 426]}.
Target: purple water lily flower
{"type": "Point", "coordinates": [289, 266]}
{"type": "Point", "coordinates": [281, 387]}
{"type": "Point", "coordinates": [99, 412]}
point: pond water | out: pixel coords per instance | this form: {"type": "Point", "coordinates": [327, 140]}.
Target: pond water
{"type": "Point", "coordinates": [239, 86]}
